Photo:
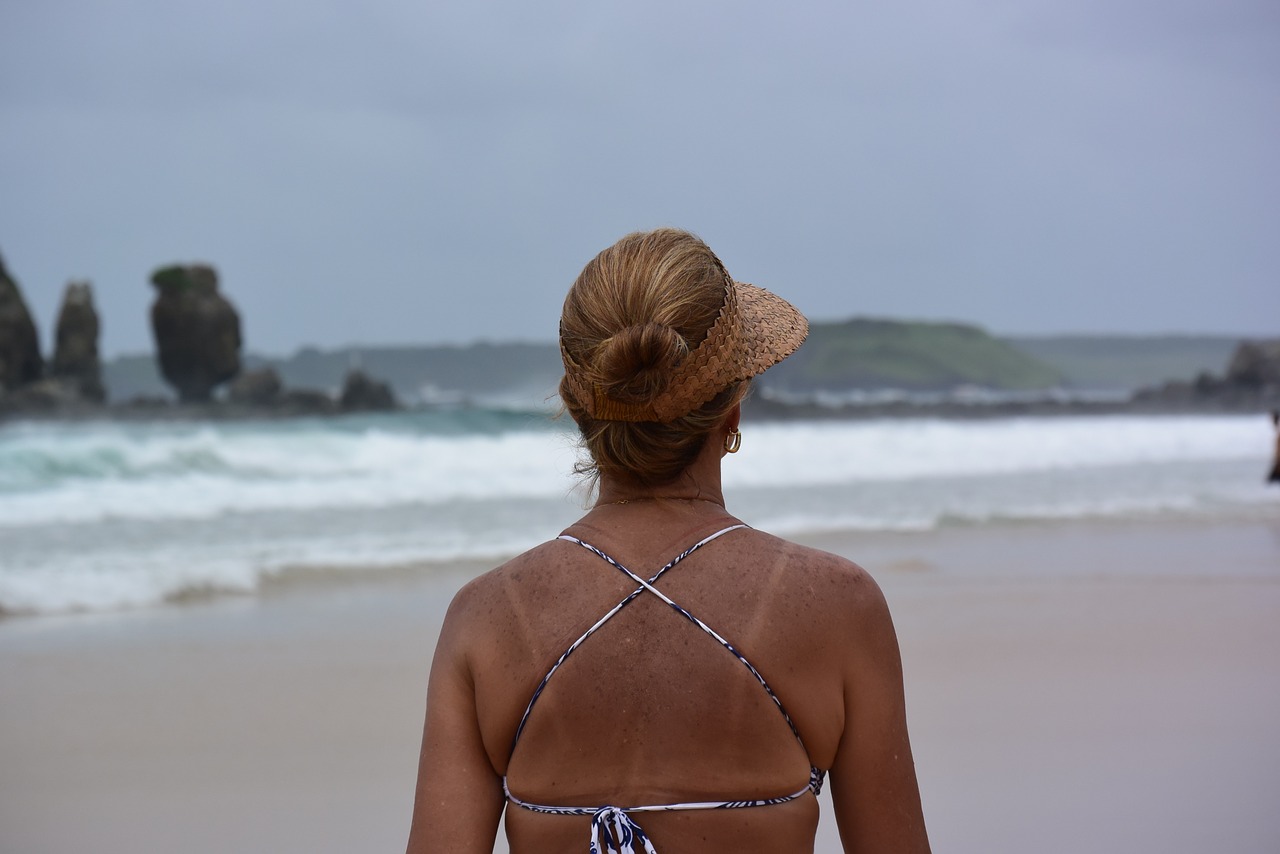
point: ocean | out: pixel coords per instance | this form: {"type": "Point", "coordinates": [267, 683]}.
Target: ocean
{"type": "Point", "coordinates": [108, 515]}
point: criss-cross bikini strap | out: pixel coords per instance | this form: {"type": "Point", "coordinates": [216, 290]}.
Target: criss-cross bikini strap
{"type": "Point", "coordinates": [648, 585]}
{"type": "Point", "coordinates": [613, 830]}
{"type": "Point", "coordinates": [612, 611]}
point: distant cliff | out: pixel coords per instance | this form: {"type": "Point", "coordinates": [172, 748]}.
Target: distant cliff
{"type": "Point", "coordinates": [866, 354]}
{"type": "Point", "coordinates": [856, 354]}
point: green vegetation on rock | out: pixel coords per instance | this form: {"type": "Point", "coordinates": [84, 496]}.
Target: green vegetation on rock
{"type": "Point", "coordinates": [170, 278]}
{"type": "Point", "coordinates": [872, 354]}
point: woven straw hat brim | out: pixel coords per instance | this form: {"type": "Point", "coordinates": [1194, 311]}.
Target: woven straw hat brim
{"type": "Point", "coordinates": [755, 330]}
{"type": "Point", "coordinates": [771, 329]}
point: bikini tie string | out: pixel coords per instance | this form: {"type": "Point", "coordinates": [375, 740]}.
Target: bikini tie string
{"type": "Point", "coordinates": [816, 779]}
{"type": "Point", "coordinates": [619, 832]}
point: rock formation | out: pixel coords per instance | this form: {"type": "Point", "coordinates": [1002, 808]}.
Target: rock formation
{"type": "Point", "coordinates": [362, 393]}
{"type": "Point", "coordinates": [1252, 382]}
{"type": "Point", "coordinates": [256, 388]}
{"type": "Point", "coordinates": [306, 401]}
{"type": "Point", "coordinates": [20, 361]}
{"type": "Point", "coordinates": [75, 359]}
{"type": "Point", "coordinates": [1255, 364]}
{"type": "Point", "coordinates": [197, 331]}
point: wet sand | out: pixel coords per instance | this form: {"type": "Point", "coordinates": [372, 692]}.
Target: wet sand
{"type": "Point", "coordinates": [1082, 686]}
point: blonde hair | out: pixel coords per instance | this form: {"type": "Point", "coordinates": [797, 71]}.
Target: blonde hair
{"type": "Point", "coordinates": [634, 312]}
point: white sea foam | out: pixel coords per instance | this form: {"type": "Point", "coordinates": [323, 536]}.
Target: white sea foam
{"type": "Point", "coordinates": [831, 452]}
{"type": "Point", "coordinates": [203, 472]}
{"type": "Point", "coordinates": [99, 516]}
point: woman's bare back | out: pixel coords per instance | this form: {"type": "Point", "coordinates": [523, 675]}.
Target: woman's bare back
{"type": "Point", "coordinates": [650, 709]}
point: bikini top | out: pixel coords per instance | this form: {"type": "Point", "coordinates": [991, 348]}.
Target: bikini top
{"type": "Point", "coordinates": [612, 825]}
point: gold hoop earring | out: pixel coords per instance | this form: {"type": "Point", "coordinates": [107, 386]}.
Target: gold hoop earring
{"type": "Point", "coordinates": [733, 441]}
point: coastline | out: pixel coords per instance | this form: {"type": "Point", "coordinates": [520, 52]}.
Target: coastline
{"type": "Point", "coordinates": [1058, 701]}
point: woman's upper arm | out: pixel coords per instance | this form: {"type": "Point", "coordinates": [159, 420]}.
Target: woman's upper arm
{"type": "Point", "coordinates": [873, 778]}
{"type": "Point", "coordinates": [459, 796]}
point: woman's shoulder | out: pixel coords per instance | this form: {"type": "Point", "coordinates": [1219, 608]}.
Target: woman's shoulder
{"type": "Point", "coordinates": [493, 590]}
{"type": "Point", "coordinates": [509, 604]}
{"type": "Point", "coordinates": [807, 565]}
{"type": "Point", "coordinates": [822, 583]}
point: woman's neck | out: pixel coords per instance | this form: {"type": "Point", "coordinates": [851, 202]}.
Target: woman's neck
{"type": "Point", "coordinates": [700, 482]}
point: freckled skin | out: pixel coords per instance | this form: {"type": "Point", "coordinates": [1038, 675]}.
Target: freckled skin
{"type": "Point", "coordinates": [650, 709]}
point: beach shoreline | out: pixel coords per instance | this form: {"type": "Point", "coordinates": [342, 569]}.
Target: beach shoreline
{"type": "Point", "coordinates": [1059, 700]}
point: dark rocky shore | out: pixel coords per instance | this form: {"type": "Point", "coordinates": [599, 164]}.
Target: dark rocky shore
{"type": "Point", "coordinates": [1250, 384]}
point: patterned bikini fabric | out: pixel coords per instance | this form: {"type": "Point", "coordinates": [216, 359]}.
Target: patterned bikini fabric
{"type": "Point", "coordinates": [613, 831]}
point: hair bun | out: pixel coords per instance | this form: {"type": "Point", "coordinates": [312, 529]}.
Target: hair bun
{"type": "Point", "coordinates": [635, 365]}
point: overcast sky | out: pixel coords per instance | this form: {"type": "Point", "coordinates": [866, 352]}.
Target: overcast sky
{"type": "Point", "coordinates": [405, 171]}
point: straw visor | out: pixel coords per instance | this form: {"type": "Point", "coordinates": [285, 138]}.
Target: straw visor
{"type": "Point", "coordinates": [754, 331]}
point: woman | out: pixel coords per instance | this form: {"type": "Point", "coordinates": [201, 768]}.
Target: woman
{"type": "Point", "coordinates": [661, 676]}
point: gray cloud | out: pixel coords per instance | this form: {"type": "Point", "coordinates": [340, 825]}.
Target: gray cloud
{"type": "Point", "coordinates": [406, 172]}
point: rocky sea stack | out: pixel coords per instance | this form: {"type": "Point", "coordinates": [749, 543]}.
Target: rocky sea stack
{"type": "Point", "coordinates": [20, 361]}
{"type": "Point", "coordinates": [197, 331]}
{"type": "Point", "coordinates": [76, 363]}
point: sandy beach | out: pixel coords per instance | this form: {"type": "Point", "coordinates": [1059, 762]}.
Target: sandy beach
{"type": "Point", "coordinates": [1082, 686]}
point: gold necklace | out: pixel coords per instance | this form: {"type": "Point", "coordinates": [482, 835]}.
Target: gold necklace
{"type": "Point", "coordinates": [659, 498]}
